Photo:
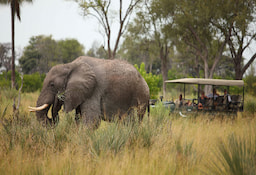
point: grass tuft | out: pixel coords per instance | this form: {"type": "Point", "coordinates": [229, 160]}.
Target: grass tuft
{"type": "Point", "coordinates": [235, 156]}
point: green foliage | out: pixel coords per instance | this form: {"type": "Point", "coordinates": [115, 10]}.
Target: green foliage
{"type": "Point", "coordinates": [39, 54]}
{"type": "Point", "coordinates": [175, 74]}
{"type": "Point", "coordinates": [153, 81]}
{"type": "Point", "coordinates": [250, 84]}
{"type": "Point", "coordinates": [197, 32]}
{"type": "Point", "coordinates": [43, 52]}
{"type": "Point", "coordinates": [70, 49]}
{"type": "Point", "coordinates": [5, 79]}
{"type": "Point", "coordinates": [31, 83]}
{"type": "Point", "coordinates": [140, 44]}
{"type": "Point", "coordinates": [250, 105]}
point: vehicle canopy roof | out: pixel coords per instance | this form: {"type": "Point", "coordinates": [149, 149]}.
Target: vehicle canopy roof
{"type": "Point", "coordinates": [216, 82]}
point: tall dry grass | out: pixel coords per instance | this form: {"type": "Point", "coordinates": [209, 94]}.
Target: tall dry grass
{"type": "Point", "coordinates": [161, 144]}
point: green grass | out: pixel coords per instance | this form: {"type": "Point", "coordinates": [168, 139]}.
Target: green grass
{"type": "Point", "coordinates": [161, 144]}
{"type": "Point", "coordinates": [236, 155]}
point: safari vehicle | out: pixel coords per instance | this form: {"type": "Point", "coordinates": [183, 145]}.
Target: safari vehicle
{"type": "Point", "coordinates": [220, 103]}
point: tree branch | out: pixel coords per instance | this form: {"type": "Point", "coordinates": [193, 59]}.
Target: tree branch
{"type": "Point", "coordinates": [122, 21]}
{"type": "Point", "coordinates": [248, 63]}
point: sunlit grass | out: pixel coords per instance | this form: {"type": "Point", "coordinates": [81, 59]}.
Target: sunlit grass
{"type": "Point", "coordinates": [161, 144]}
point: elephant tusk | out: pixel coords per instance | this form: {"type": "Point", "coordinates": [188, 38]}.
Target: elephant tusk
{"type": "Point", "coordinates": [34, 109]}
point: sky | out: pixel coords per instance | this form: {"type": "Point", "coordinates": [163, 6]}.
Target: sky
{"type": "Point", "coordinates": [60, 18]}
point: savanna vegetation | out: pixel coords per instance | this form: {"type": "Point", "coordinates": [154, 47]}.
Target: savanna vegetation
{"type": "Point", "coordinates": [162, 144]}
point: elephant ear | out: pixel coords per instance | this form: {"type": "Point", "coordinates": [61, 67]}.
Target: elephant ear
{"type": "Point", "coordinates": [81, 83]}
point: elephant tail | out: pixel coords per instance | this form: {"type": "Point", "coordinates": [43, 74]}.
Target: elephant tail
{"type": "Point", "coordinates": [148, 109]}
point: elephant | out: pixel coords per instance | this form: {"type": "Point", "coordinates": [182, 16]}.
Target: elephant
{"type": "Point", "coordinates": [97, 89]}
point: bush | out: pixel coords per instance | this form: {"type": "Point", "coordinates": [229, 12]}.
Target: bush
{"type": "Point", "coordinates": [250, 84]}
{"type": "Point", "coordinates": [153, 81]}
{"type": "Point", "coordinates": [250, 105]}
{"type": "Point", "coordinates": [31, 83]}
{"type": "Point", "coordinates": [5, 79]}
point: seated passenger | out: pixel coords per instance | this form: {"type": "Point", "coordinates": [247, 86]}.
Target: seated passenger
{"type": "Point", "coordinates": [202, 100]}
{"type": "Point", "coordinates": [214, 94]}
{"type": "Point", "coordinates": [179, 102]}
{"type": "Point", "coordinates": [189, 103]}
{"type": "Point", "coordinates": [227, 99]}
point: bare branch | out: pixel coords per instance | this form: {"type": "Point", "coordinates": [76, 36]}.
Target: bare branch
{"type": "Point", "coordinates": [122, 22]}
{"type": "Point", "coordinates": [101, 12]}
{"type": "Point", "coordinates": [248, 63]}
{"type": "Point", "coordinates": [249, 42]}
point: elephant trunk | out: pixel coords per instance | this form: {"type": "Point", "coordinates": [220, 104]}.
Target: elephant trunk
{"type": "Point", "coordinates": [55, 109]}
{"type": "Point", "coordinates": [42, 115]}
{"type": "Point", "coordinates": [43, 108]}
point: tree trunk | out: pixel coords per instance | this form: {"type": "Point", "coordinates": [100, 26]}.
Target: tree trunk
{"type": "Point", "coordinates": [109, 49]}
{"type": "Point", "coordinates": [204, 57]}
{"type": "Point", "coordinates": [13, 44]}
{"type": "Point", "coordinates": [207, 88]}
{"type": "Point", "coordinates": [238, 72]}
{"type": "Point", "coordinates": [164, 65]}
{"type": "Point", "coordinates": [239, 69]}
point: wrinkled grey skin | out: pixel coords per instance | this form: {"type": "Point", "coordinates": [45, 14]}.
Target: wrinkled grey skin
{"type": "Point", "coordinates": [96, 88]}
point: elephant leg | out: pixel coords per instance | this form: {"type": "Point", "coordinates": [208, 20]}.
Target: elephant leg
{"type": "Point", "coordinates": [78, 114]}
{"type": "Point", "coordinates": [90, 115]}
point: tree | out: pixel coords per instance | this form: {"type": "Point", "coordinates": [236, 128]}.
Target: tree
{"type": "Point", "coordinates": [236, 22]}
{"type": "Point", "coordinates": [138, 45]}
{"type": "Point", "coordinates": [163, 39]}
{"type": "Point", "coordinates": [70, 49]}
{"type": "Point", "coordinates": [43, 52]}
{"type": "Point", "coordinates": [39, 55]}
{"type": "Point", "coordinates": [100, 9]}
{"type": "Point", "coordinates": [188, 23]}
{"type": "Point", "coordinates": [30, 60]}
{"type": "Point", "coordinates": [148, 40]}
{"type": "Point", "coordinates": [15, 11]}
{"type": "Point", "coordinates": [195, 29]}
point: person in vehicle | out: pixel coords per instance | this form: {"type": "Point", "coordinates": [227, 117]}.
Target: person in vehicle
{"type": "Point", "coordinates": [214, 94]}
{"type": "Point", "coordinates": [179, 102]}
{"type": "Point", "coordinates": [202, 100]}
{"type": "Point", "coordinates": [227, 98]}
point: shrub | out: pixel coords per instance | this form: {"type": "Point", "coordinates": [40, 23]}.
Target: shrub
{"type": "Point", "coordinates": [250, 84]}
{"type": "Point", "coordinates": [5, 79]}
{"type": "Point", "coordinates": [153, 81]}
{"type": "Point", "coordinates": [32, 82]}
{"type": "Point", "coordinates": [250, 105]}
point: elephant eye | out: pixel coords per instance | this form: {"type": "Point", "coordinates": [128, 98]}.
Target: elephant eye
{"type": "Point", "coordinates": [52, 84]}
